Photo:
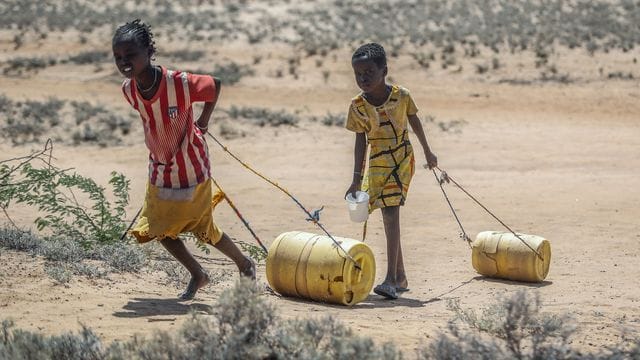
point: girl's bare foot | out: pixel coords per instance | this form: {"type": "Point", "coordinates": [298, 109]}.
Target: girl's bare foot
{"type": "Point", "coordinates": [248, 269]}
{"type": "Point", "coordinates": [195, 284]}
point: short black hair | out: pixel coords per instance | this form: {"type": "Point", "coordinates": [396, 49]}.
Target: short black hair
{"type": "Point", "coordinates": [371, 51]}
{"type": "Point", "coordinates": [137, 31]}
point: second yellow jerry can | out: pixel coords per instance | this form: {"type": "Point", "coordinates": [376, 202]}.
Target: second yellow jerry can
{"type": "Point", "coordinates": [503, 255]}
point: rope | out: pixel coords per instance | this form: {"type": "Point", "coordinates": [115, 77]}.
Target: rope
{"type": "Point", "coordinates": [447, 178]}
{"type": "Point", "coordinates": [235, 209]}
{"type": "Point", "coordinates": [313, 219]}
{"type": "Point", "coordinates": [364, 231]}
{"type": "Point", "coordinates": [463, 235]}
{"type": "Point", "coordinates": [124, 234]}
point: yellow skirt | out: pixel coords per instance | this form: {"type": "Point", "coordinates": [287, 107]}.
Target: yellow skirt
{"type": "Point", "coordinates": [167, 213]}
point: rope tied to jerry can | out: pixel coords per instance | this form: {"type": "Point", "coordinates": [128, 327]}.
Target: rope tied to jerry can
{"type": "Point", "coordinates": [311, 217]}
{"type": "Point", "coordinates": [446, 178]}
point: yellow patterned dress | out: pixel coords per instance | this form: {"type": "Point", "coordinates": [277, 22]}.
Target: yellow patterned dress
{"type": "Point", "coordinates": [391, 160]}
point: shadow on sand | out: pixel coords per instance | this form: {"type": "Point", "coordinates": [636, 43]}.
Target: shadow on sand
{"type": "Point", "coordinates": [142, 307]}
{"type": "Point", "coordinates": [376, 301]}
{"type": "Point", "coordinates": [512, 282]}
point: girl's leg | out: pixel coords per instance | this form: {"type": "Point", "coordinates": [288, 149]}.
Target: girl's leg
{"type": "Point", "coordinates": [245, 265]}
{"type": "Point", "coordinates": [199, 277]}
{"type": "Point", "coordinates": [401, 276]}
{"type": "Point", "coordinates": [391, 219]}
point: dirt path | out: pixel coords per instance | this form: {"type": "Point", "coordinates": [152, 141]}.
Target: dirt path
{"type": "Point", "coordinates": [556, 161]}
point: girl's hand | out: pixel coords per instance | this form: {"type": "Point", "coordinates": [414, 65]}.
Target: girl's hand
{"type": "Point", "coordinates": [432, 159]}
{"type": "Point", "coordinates": [355, 186]}
{"type": "Point", "coordinates": [204, 128]}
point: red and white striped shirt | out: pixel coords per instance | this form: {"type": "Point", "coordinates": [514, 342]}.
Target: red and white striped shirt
{"type": "Point", "coordinates": [178, 153]}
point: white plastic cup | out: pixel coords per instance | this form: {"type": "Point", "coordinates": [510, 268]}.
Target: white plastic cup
{"type": "Point", "coordinates": [358, 206]}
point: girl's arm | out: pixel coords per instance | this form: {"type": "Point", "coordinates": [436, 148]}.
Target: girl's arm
{"type": "Point", "coordinates": [358, 156]}
{"type": "Point", "coordinates": [203, 121]}
{"type": "Point", "coordinates": [416, 125]}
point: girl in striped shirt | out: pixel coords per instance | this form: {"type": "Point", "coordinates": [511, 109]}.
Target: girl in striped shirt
{"type": "Point", "coordinates": [178, 197]}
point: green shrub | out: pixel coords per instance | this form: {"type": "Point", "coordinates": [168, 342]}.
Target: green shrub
{"type": "Point", "coordinates": [73, 207]}
{"type": "Point", "coordinates": [254, 251]}
{"type": "Point", "coordinates": [52, 191]}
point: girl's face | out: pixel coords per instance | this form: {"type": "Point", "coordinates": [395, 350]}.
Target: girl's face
{"type": "Point", "coordinates": [131, 58]}
{"type": "Point", "coordinates": [369, 76]}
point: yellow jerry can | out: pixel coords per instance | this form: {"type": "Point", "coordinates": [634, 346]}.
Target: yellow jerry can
{"type": "Point", "coordinates": [312, 266]}
{"type": "Point", "coordinates": [503, 255]}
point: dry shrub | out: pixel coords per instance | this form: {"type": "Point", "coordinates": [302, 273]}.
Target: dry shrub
{"type": "Point", "coordinates": [245, 326]}
{"type": "Point", "coordinates": [515, 328]}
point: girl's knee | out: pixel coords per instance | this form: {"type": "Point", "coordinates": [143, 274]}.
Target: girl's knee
{"type": "Point", "coordinates": [390, 212]}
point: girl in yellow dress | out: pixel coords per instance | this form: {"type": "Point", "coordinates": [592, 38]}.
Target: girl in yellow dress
{"type": "Point", "coordinates": [379, 117]}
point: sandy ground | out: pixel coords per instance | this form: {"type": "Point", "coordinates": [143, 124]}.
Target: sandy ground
{"type": "Point", "coordinates": [559, 161]}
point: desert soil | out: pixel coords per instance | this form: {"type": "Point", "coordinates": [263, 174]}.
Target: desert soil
{"type": "Point", "coordinates": [556, 160]}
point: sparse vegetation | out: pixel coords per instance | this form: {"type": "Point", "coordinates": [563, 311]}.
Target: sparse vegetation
{"type": "Point", "coordinates": [515, 328]}
{"type": "Point", "coordinates": [81, 222]}
{"type": "Point", "coordinates": [620, 75]}
{"type": "Point", "coordinates": [245, 326]}
{"type": "Point", "coordinates": [519, 43]}
{"type": "Point", "coordinates": [253, 251]}
{"type": "Point", "coordinates": [67, 122]}
{"type": "Point", "coordinates": [58, 195]}
{"type": "Point", "coordinates": [90, 57]}
{"type": "Point", "coordinates": [232, 72]}
{"type": "Point", "coordinates": [453, 126]}
{"type": "Point", "coordinates": [452, 29]}
{"type": "Point", "coordinates": [185, 55]}
{"type": "Point", "coordinates": [20, 65]}
{"type": "Point", "coordinates": [65, 258]}
{"type": "Point", "coordinates": [228, 131]}
{"type": "Point", "coordinates": [58, 272]}
{"type": "Point", "coordinates": [263, 116]}
{"type": "Point", "coordinates": [331, 119]}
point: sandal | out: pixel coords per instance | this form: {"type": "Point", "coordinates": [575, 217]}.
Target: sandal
{"type": "Point", "coordinates": [386, 290]}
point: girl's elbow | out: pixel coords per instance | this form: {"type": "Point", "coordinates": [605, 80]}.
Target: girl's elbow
{"type": "Point", "coordinates": [415, 123]}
